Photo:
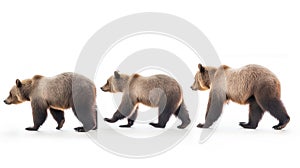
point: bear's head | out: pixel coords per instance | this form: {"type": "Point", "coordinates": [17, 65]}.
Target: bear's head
{"type": "Point", "coordinates": [116, 83]}
{"type": "Point", "coordinates": [20, 92]}
{"type": "Point", "coordinates": [202, 78]}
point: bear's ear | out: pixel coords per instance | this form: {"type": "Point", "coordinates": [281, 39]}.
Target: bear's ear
{"type": "Point", "coordinates": [201, 68]}
{"type": "Point", "coordinates": [117, 75]}
{"type": "Point", "coordinates": [18, 83]}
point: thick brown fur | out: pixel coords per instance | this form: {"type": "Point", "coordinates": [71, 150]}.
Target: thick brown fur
{"type": "Point", "coordinates": [66, 90]}
{"type": "Point", "coordinates": [252, 84]}
{"type": "Point", "coordinates": [155, 91]}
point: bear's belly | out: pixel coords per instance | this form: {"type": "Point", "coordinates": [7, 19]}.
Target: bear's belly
{"type": "Point", "coordinates": [58, 108]}
{"type": "Point", "coordinates": [148, 103]}
{"type": "Point", "coordinates": [241, 99]}
{"type": "Point", "coordinates": [238, 94]}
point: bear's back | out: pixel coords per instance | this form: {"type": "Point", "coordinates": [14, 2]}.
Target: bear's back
{"type": "Point", "coordinates": [251, 73]}
{"type": "Point", "coordinates": [154, 81]}
{"type": "Point", "coordinates": [143, 85]}
{"type": "Point", "coordinates": [62, 88]}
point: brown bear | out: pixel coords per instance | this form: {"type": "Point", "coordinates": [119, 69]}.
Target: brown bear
{"type": "Point", "coordinates": [155, 91]}
{"type": "Point", "coordinates": [66, 90]}
{"type": "Point", "coordinates": [251, 84]}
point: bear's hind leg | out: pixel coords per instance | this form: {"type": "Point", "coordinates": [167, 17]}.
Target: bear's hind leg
{"type": "Point", "coordinates": [131, 119]}
{"type": "Point", "coordinates": [85, 116]}
{"type": "Point", "coordinates": [164, 115]}
{"type": "Point", "coordinates": [183, 115]}
{"type": "Point", "coordinates": [59, 117]}
{"type": "Point", "coordinates": [255, 115]}
{"type": "Point", "coordinates": [277, 110]}
{"type": "Point", "coordinates": [162, 120]}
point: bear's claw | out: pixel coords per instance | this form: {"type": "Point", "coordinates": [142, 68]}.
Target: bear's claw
{"type": "Point", "coordinates": [279, 126]}
{"type": "Point", "coordinates": [247, 125]}
{"type": "Point", "coordinates": [79, 129]}
{"type": "Point", "coordinates": [109, 120]}
{"type": "Point", "coordinates": [157, 125]}
{"type": "Point", "coordinates": [31, 129]}
{"type": "Point", "coordinates": [200, 125]}
{"type": "Point", "coordinates": [125, 126]}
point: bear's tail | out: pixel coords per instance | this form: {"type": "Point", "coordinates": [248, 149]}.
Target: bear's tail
{"type": "Point", "coordinates": [96, 117]}
{"type": "Point", "coordinates": [178, 109]}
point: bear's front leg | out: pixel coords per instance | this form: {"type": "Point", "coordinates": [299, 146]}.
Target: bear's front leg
{"type": "Point", "coordinates": [128, 125]}
{"type": "Point", "coordinates": [124, 109]}
{"type": "Point", "coordinates": [214, 108]}
{"type": "Point", "coordinates": [131, 119]}
{"type": "Point", "coordinates": [39, 114]}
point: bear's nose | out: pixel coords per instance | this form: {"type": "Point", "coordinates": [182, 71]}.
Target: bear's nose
{"type": "Point", "coordinates": [101, 88]}
{"type": "Point", "coordinates": [193, 88]}
{"type": "Point", "coordinates": [5, 101]}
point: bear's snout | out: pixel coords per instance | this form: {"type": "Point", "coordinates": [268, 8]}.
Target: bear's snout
{"type": "Point", "coordinates": [193, 88]}
{"type": "Point", "coordinates": [104, 89]}
{"type": "Point", "coordinates": [6, 102]}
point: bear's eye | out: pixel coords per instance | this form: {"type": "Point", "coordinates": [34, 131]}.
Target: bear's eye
{"type": "Point", "coordinates": [10, 94]}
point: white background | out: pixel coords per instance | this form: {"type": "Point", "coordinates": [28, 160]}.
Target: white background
{"type": "Point", "coordinates": [46, 38]}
